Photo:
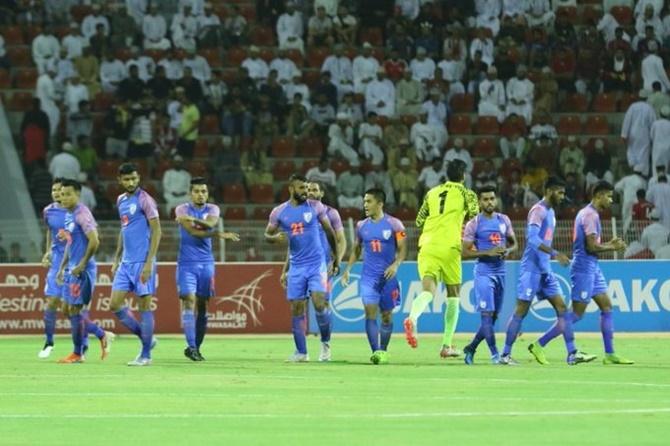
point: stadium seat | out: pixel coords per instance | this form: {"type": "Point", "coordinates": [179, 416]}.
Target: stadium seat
{"type": "Point", "coordinates": [5, 81]}
{"type": "Point", "coordinates": [156, 55]}
{"type": "Point", "coordinates": [197, 168]}
{"type": "Point", "coordinates": [622, 14]}
{"type": "Point", "coordinates": [263, 36]}
{"type": "Point", "coordinates": [591, 14]}
{"type": "Point", "coordinates": [26, 78]}
{"type": "Point", "coordinates": [311, 77]}
{"type": "Point", "coordinates": [213, 56]}
{"type": "Point", "coordinates": [201, 149]}
{"type": "Point", "coordinates": [20, 56]}
{"type": "Point", "coordinates": [604, 103]}
{"type": "Point", "coordinates": [645, 254]}
{"type": "Point", "coordinates": [234, 194]}
{"type": "Point", "coordinates": [261, 194]}
{"type": "Point", "coordinates": [235, 56]}
{"type": "Point", "coordinates": [575, 103]}
{"type": "Point", "coordinates": [267, 55]}
{"type": "Point", "coordinates": [509, 165]}
{"type": "Point", "coordinates": [354, 213]}
{"type": "Point", "coordinates": [249, 13]}
{"type": "Point", "coordinates": [626, 100]}
{"type": "Point", "coordinates": [261, 213]}
{"type": "Point", "coordinates": [283, 192]}
{"type": "Point", "coordinates": [108, 169]}
{"type": "Point", "coordinates": [597, 125]}
{"type": "Point", "coordinates": [513, 124]}
{"type": "Point", "coordinates": [405, 214]}
{"type": "Point", "coordinates": [462, 103]}
{"type": "Point", "coordinates": [30, 32]}
{"type": "Point", "coordinates": [517, 214]}
{"type": "Point", "coordinates": [235, 213]}
{"type": "Point", "coordinates": [316, 56]}
{"type": "Point", "coordinates": [487, 125]}
{"type": "Point", "coordinates": [485, 148]}
{"type": "Point", "coordinates": [373, 35]}
{"type": "Point", "coordinates": [460, 125]}
{"type": "Point", "coordinates": [308, 164]}
{"type": "Point", "coordinates": [209, 125]}
{"type": "Point", "coordinates": [124, 54]}
{"type": "Point", "coordinates": [311, 148]}
{"type": "Point", "coordinates": [296, 57]}
{"type": "Point", "coordinates": [569, 125]}
{"type": "Point", "coordinates": [339, 166]}
{"type": "Point", "coordinates": [283, 147]}
{"type": "Point", "coordinates": [283, 169]}
{"type": "Point", "coordinates": [78, 12]}
{"type": "Point", "coordinates": [102, 101]}
{"type": "Point", "coordinates": [13, 35]}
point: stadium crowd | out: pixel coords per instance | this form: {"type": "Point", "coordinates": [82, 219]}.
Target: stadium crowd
{"type": "Point", "coordinates": [384, 89]}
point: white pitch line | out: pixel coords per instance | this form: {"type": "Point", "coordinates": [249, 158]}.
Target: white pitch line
{"type": "Point", "coordinates": [599, 383]}
{"type": "Point", "coordinates": [341, 416]}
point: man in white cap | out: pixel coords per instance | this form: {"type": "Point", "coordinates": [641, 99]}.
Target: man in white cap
{"type": "Point", "coordinates": [74, 42]}
{"type": "Point", "coordinates": [520, 92]}
{"type": "Point", "coordinates": [492, 95]}
{"type": "Point", "coordinates": [258, 69]}
{"type": "Point", "coordinates": [488, 15]}
{"type": "Point", "coordinates": [45, 47]}
{"type": "Point", "coordinates": [91, 21]}
{"type": "Point", "coordinates": [199, 66]}
{"type": "Point", "coordinates": [410, 94]}
{"type": "Point", "coordinates": [341, 71]}
{"type": "Point", "coordinates": [380, 95]}
{"type": "Point", "coordinates": [320, 29]}
{"type": "Point", "coordinates": [75, 92]}
{"type": "Point", "coordinates": [341, 139]}
{"type": "Point", "coordinates": [572, 160]}
{"type": "Point", "coordinates": [45, 91]}
{"type": "Point", "coordinates": [437, 115]}
{"type": "Point", "coordinates": [284, 66]}
{"type": "Point", "coordinates": [209, 27]}
{"type": "Point", "coordinates": [647, 14]}
{"type": "Point", "coordinates": [636, 133]}
{"type": "Point", "coordinates": [627, 187]}
{"type": "Point", "coordinates": [365, 68]}
{"type": "Point", "coordinates": [370, 137]}
{"type": "Point", "coordinates": [452, 71]}
{"type": "Point", "coordinates": [655, 236]}
{"type": "Point", "coordinates": [422, 67]}
{"type": "Point", "coordinates": [184, 28]}
{"type": "Point", "coordinates": [660, 139]}
{"type": "Point", "coordinates": [653, 70]}
{"type": "Point", "coordinates": [290, 29]}
{"type": "Point", "coordinates": [424, 137]}
{"type": "Point", "coordinates": [154, 29]}
{"type": "Point", "coordinates": [65, 164]}
{"type": "Point", "coordinates": [176, 184]}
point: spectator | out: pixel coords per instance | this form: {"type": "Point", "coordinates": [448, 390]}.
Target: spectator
{"type": "Point", "coordinates": [643, 42]}
{"type": "Point", "coordinates": [266, 122]}
{"type": "Point", "coordinates": [546, 94]}
{"type": "Point", "coordinates": [657, 99]}
{"type": "Point", "coordinates": [176, 184]}
{"type": "Point", "coordinates": [165, 137]}
{"type": "Point", "coordinates": [378, 178]}
{"type": "Point", "coordinates": [341, 140]}
{"type": "Point", "coordinates": [80, 122]}
{"type": "Point", "coordinates": [298, 123]}
{"type": "Point", "coordinates": [154, 29]}
{"type": "Point", "coordinates": [137, 9]}
{"type": "Point", "coordinates": [564, 66]}
{"type": "Point", "coordinates": [539, 13]}
{"type": "Point", "coordinates": [39, 185]}
{"type": "Point", "coordinates": [322, 174]}
{"type": "Point", "coordinates": [659, 196]}
{"type": "Point", "coordinates": [159, 85]}
{"type": "Point", "coordinates": [125, 28]}
{"type": "Point", "coordinates": [543, 132]}
{"type": "Point", "coordinates": [370, 137]}
{"type": "Point", "coordinates": [487, 176]}
{"type": "Point", "coordinates": [15, 253]}
{"type": "Point", "coordinates": [275, 94]}
{"type": "Point", "coordinates": [225, 168]}
{"type": "Point", "coordinates": [215, 92]}
{"type": "Point", "coordinates": [75, 92]}
{"type": "Point", "coordinates": [642, 207]}
{"type": "Point", "coordinates": [198, 65]}
{"type": "Point", "coordinates": [192, 86]}
{"type": "Point", "coordinates": [74, 42]}
{"type": "Point", "coordinates": [573, 192]}
{"type": "Point", "coordinates": [237, 119]}
{"type": "Point", "coordinates": [395, 66]}
{"type": "Point", "coordinates": [513, 146]}
{"type": "Point", "coordinates": [34, 135]}
{"type": "Point", "coordinates": [290, 29]}
{"type": "Point", "coordinates": [65, 164]}
{"type": "Point", "coordinates": [617, 73]}
{"type": "Point", "coordinates": [255, 165]}
{"type": "Point", "coordinates": [483, 44]}
{"type": "Point", "coordinates": [320, 29]}
{"type": "Point", "coordinates": [653, 70]}
{"type": "Point", "coordinates": [627, 187]}
{"type": "Point", "coordinates": [572, 159]}
{"type": "Point", "coordinates": [635, 132]}
{"type": "Point", "coordinates": [258, 69]}
{"type": "Point", "coordinates": [4, 60]}
{"type": "Point", "coordinates": [174, 69]}
{"type": "Point", "coordinates": [458, 151]}
{"type": "Point", "coordinates": [45, 47]}
{"type": "Point", "coordinates": [132, 87]}
{"type": "Point", "coordinates": [492, 96]}
{"type": "Point", "coordinates": [402, 43]}
{"type": "Point", "coordinates": [184, 29]}
{"type": "Point", "coordinates": [45, 91]}
{"type": "Point", "coordinates": [660, 139]}
{"type": "Point", "coordinates": [86, 155]}
{"type": "Point", "coordinates": [284, 67]}
{"type": "Point", "coordinates": [399, 150]}
{"type": "Point", "coordinates": [365, 68]}
{"type": "Point", "coordinates": [340, 69]}
{"type": "Point", "coordinates": [112, 72]}
{"type": "Point", "coordinates": [350, 187]}
{"type": "Point", "coordinates": [188, 128]}
{"type": "Point", "coordinates": [141, 132]}
{"type": "Point", "coordinates": [297, 86]}
{"type": "Point", "coordinates": [437, 115]}
{"type": "Point", "coordinates": [405, 180]}
{"type": "Point", "coordinates": [487, 15]}
{"type": "Point", "coordinates": [145, 64]}
{"type": "Point", "coordinates": [598, 165]}
{"type": "Point", "coordinates": [660, 171]}
{"type": "Point", "coordinates": [209, 28]}
{"type": "Point", "coordinates": [89, 70]}
{"type": "Point", "coordinates": [346, 26]}
{"type": "Point", "coordinates": [520, 93]}
{"type": "Point", "coordinates": [409, 95]}
{"type": "Point", "coordinates": [99, 43]}
{"type": "Point", "coordinates": [655, 236]}
{"type": "Point", "coordinates": [118, 123]}
{"type": "Point", "coordinates": [235, 28]}
{"type": "Point", "coordinates": [452, 70]}
{"type": "Point", "coordinates": [431, 175]}
{"type": "Point", "coordinates": [511, 191]}
{"type": "Point", "coordinates": [425, 139]}
{"type": "Point", "coordinates": [322, 113]}
{"type": "Point", "coordinates": [394, 132]}
{"type": "Point", "coordinates": [64, 69]}
{"type": "Point", "coordinates": [647, 17]}
{"type": "Point", "coordinates": [86, 194]}
{"type": "Point", "coordinates": [422, 67]}
{"type": "Point", "coordinates": [380, 95]}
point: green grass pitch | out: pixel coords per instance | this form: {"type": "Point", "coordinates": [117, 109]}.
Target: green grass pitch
{"type": "Point", "coordinates": [244, 394]}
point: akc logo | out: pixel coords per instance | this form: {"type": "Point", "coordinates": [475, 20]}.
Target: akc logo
{"type": "Point", "coordinates": [543, 310]}
{"type": "Point", "coordinates": [346, 302]}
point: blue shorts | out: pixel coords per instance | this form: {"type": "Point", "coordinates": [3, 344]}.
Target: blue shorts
{"type": "Point", "coordinates": [385, 293]}
{"type": "Point", "coordinates": [128, 278]}
{"type": "Point", "coordinates": [51, 288]}
{"type": "Point", "coordinates": [195, 278]}
{"type": "Point", "coordinates": [586, 286]}
{"type": "Point", "coordinates": [489, 292]}
{"type": "Point", "coordinates": [304, 280]}
{"type": "Point", "coordinates": [542, 285]}
{"type": "Point", "coordinates": [78, 290]}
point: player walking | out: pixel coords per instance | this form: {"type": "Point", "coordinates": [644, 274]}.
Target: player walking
{"type": "Point", "coordinates": [587, 279]}
{"type": "Point", "coordinates": [134, 267]}
{"type": "Point", "coordinates": [195, 263]}
{"type": "Point", "coordinates": [488, 238]}
{"type": "Point", "coordinates": [383, 241]}
{"type": "Point", "coordinates": [441, 221]}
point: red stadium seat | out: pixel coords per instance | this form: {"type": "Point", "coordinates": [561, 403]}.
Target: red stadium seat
{"type": "Point", "coordinates": [283, 169]}
{"type": "Point", "coordinates": [316, 56]}
{"type": "Point", "coordinates": [339, 166]}
{"type": "Point", "coordinates": [311, 148]}
{"type": "Point", "coordinates": [296, 57]}
{"type": "Point", "coordinates": [103, 101]}
{"type": "Point", "coordinates": [234, 194]}
{"type": "Point", "coordinates": [20, 56]}
{"type": "Point", "coordinates": [517, 214]}
{"type": "Point", "coordinates": [311, 77]}
{"type": "Point", "coordinates": [354, 213]}
{"type": "Point", "coordinates": [375, 36]}
{"type": "Point", "coordinates": [308, 164]}
{"type": "Point", "coordinates": [604, 103]}
{"type": "Point", "coordinates": [569, 125]}
{"type": "Point", "coordinates": [156, 55]}
{"type": "Point", "coordinates": [161, 168]}
{"type": "Point", "coordinates": [645, 254]}
{"type": "Point", "coordinates": [597, 125]}
{"type": "Point", "coordinates": [513, 124]}
{"type": "Point", "coordinates": [283, 147]}
{"type": "Point", "coordinates": [235, 213]}
{"type": "Point", "coordinates": [5, 81]}
{"type": "Point", "coordinates": [569, 12]}
{"type": "Point", "coordinates": [261, 194]}
{"type": "Point", "coordinates": [460, 125]}
{"type": "Point", "coordinates": [213, 56]}
{"type": "Point", "coordinates": [30, 32]}
{"type": "Point", "coordinates": [267, 55]}
{"type": "Point", "coordinates": [509, 165]}
{"type": "Point", "coordinates": [405, 214]}
{"type": "Point", "coordinates": [209, 125]}
{"type": "Point", "coordinates": [626, 100]}
{"type": "Point", "coordinates": [108, 169]}
{"type": "Point", "coordinates": [487, 125]}
{"type": "Point", "coordinates": [622, 14]}
{"type": "Point", "coordinates": [249, 13]}
{"type": "Point", "coordinates": [235, 56]}
{"type": "Point", "coordinates": [263, 36]}
{"type": "Point", "coordinates": [462, 103]}
{"type": "Point", "coordinates": [485, 148]}
{"type": "Point", "coordinates": [576, 103]}
{"type": "Point", "coordinates": [283, 192]}
{"type": "Point", "coordinates": [26, 78]}
{"type": "Point", "coordinates": [197, 168]}
{"type": "Point", "coordinates": [261, 213]}
{"type": "Point", "coordinates": [13, 35]}
{"type": "Point", "coordinates": [21, 101]}
{"type": "Point", "coordinates": [201, 149]}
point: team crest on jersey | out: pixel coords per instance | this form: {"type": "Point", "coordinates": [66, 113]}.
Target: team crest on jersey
{"type": "Point", "coordinates": [133, 209]}
{"type": "Point", "coordinates": [307, 216]}
{"type": "Point", "coordinates": [386, 233]}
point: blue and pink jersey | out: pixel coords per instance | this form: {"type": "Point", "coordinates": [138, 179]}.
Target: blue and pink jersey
{"type": "Point", "coordinates": [379, 240]}
{"type": "Point", "coordinates": [587, 223]}
{"type": "Point", "coordinates": [301, 223]}
{"type": "Point", "coordinates": [135, 211]}
{"type": "Point", "coordinates": [540, 230]}
{"type": "Point", "coordinates": [54, 218]}
{"type": "Point", "coordinates": [488, 233]}
{"type": "Point", "coordinates": [195, 249]}
{"type": "Point", "coordinates": [336, 223]}
{"type": "Point", "coordinates": [78, 223]}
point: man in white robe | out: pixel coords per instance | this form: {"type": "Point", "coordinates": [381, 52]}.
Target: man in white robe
{"type": "Point", "coordinates": [341, 71]}
{"type": "Point", "coordinates": [184, 29]}
{"type": "Point", "coordinates": [370, 136]}
{"type": "Point", "coordinates": [258, 69]}
{"type": "Point", "coordinates": [284, 66]}
{"type": "Point", "coordinates": [45, 91]}
{"type": "Point", "coordinates": [660, 139]}
{"type": "Point", "coordinates": [492, 96]}
{"type": "Point", "coordinates": [91, 21]}
{"type": "Point", "coordinates": [422, 67]}
{"type": "Point", "coordinates": [154, 29]}
{"type": "Point", "coordinates": [659, 196]}
{"type": "Point", "coordinates": [112, 72]}
{"type": "Point", "coordinates": [45, 47]}
{"type": "Point", "coordinates": [653, 70]}
{"type": "Point", "coordinates": [452, 71]}
{"type": "Point", "coordinates": [380, 95]}
{"type": "Point", "coordinates": [75, 92]}
{"type": "Point", "coordinates": [174, 68]}
{"type": "Point", "coordinates": [628, 187]}
{"type": "Point", "coordinates": [437, 115]}
{"type": "Point", "coordinates": [424, 137]}
{"type": "Point", "coordinates": [74, 42]}
{"type": "Point", "coordinates": [199, 67]}
{"type": "Point", "coordinates": [520, 92]}
{"type": "Point", "coordinates": [636, 133]}
{"type": "Point", "coordinates": [365, 68]}
{"type": "Point", "coordinates": [341, 139]}
{"type": "Point", "coordinates": [290, 29]}
{"type": "Point", "coordinates": [145, 64]}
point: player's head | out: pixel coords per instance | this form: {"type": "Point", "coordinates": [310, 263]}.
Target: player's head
{"type": "Point", "coordinates": [315, 190]}
{"type": "Point", "coordinates": [602, 195]}
{"type": "Point", "coordinates": [56, 184]}
{"type": "Point", "coordinates": [128, 178]}
{"type": "Point", "coordinates": [297, 188]}
{"type": "Point", "coordinates": [199, 191]}
{"type": "Point", "coordinates": [373, 202]}
{"type": "Point", "coordinates": [69, 193]}
{"type": "Point", "coordinates": [487, 199]}
{"type": "Point", "coordinates": [554, 191]}
{"type": "Point", "coordinates": [456, 170]}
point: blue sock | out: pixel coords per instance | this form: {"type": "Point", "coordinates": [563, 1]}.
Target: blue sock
{"type": "Point", "coordinates": [372, 330]}
{"type": "Point", "coordinates": [129, 321]}
{"type": "Point", "coordinates": [385, 335]}
{"type": "Point", "coordinates": [479, 337]}
{"type": "Point", "coordinates": [92, 327]}
{"type": "Point", "coordinates": [147, 326]}
{"type": "Point", "coordinates": [568, 335]}
{"type": "Point", "coordinates": [489, 333]}
{"type": "Point", "coordinates": [200, 328]}
{"type": "Point", "coordinates": [513, 328]}
{"type": "Point", "coordinates": [188, 323]}
{"type": "Point", "coordinates": [555, 330]}
{"type": "Point", "coordinates": [77, 329]}
{"type": "Point", "coordinates": [298, 328]}
{"type": "Point", "coordinates": [607, 329]}
{"type": "Point", "coordinates": [323, 320]}
{"type": "Point", "coordinates": [49, 325]}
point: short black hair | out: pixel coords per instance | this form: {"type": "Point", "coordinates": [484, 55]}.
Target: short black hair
{"type": "Point", "coordinates": [456, 170]}
{"type": "Point", "coordinates": [127, 168]}
{"type": "Point", "coordinates": [297, 177]}
{"type": "Point", "coordinates": [662, 179]}
{"type": "Point", "coordinates": [74, 184]}
{"type": "Point", "coordinates": [379, 194]}
{"type": "Point", "coordinates": [197, 181]}
{"type": "Point", "coordinates": [486, 189]}
{"type": "Point", "coordinates": [322, 187]}
{"type": "Point", "coordinates": [641, 193]}
{"type": "Point", "coordinates": [602, 186]}
{"type": "Point", "coordinates": [57, 180]}
{"type": "Point", "coordinates": [554, 182]}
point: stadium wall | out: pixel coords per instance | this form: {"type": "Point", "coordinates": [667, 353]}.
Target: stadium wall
{"type": "Point", "coordinates": [250, 300]}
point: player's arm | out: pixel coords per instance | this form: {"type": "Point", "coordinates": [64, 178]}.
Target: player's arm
{"type": "Point", "coordinates": [341, 245]}
{"type": "Point", "coordinates": [536, 243]}
{"type": "Point", "coordinates": [423, 213]}
{"type": "Point", "coordinates": [469, 251]}
{"type": "Point", "coordinates": [118, 253]}
{"type": "Point", "coordinates": [209, 223]}
{"type": "Point", "coordinates": [285, 267]}
{"type": "Point", "coordinates": [400, 255]}
{"type": "Point", "coordinates": [91, 248]}
{"type": "Point", "coordinates": [595, 248]}
{"type": "Point", "coordinates": [156, 234]}
{"type": "Point", "coordinates": [46, 258]}
{"type": "Point", "coordinates": [353, 258]}
{"type": "Point", "coordinates": [512, 245]}
{"type": "Point", "coordinates": [471, 204]}
{"type": "Point", "coordinates": [332, 240]}
{"type": "Point", "coordinates": [64, 260]}
{"type": "Point", "coordinates": [273, 234]}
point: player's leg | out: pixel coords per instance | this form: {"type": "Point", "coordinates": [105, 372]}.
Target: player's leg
{"type": "Point", "coordinates": [490, 336]}
{"type": "Point", "coordinates": [371, 326]}
{"type": "Point", "coordinates": [72, 309]}
{"type": "Point", "coordinates": [53, 304]}
{"type": "Point", "coordinates": [607, 329]}
{"type": "Point", "coordinates": [430, 273]}
{"type": "Point", "coordinates": [452, 278]}
{"type": "Point", "coordinates": [145, 292]}
{"type": "Point", "coordinates": [121, 287]}
{"type": "Point", "coordinates": [206, 289]}
{"type": "Point", "coordinates": [296, 290]}
{"type": "Point", "coordinates": [527, 288]}
{"type": "Point", "coordinates": [186, 287]}
{"type": "Point", "coordinates": [88, 278]}
{"type": "Point", "coordinates": [318, 287]}
{"type": "Point", "coordinates": [389, 299]}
